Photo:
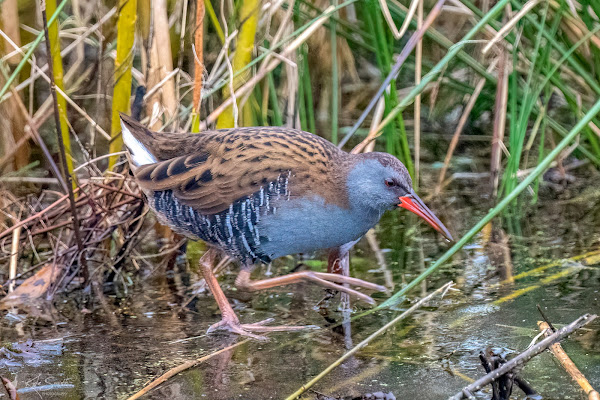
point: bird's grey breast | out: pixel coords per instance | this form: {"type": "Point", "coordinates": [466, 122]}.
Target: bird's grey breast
{"type": "Point", "coordinates": [307, 224]}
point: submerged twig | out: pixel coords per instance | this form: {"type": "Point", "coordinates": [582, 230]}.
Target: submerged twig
{"type": "Point", "coordinates": [524, 357]}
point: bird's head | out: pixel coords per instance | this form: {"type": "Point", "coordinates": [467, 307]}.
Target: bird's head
{"type": "Point", "coordinates": [379, 181]}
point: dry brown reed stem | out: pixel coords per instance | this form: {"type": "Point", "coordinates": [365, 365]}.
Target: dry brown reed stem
{"type": "Point", "coordinates": [251, 83]}
{"type": "Point", "coordinates": [10, 119]}
{"type": "Point", "coordinates": [161, 66]}
{"type": "Point", "coordinates": [461, 124]}
{"type": "Point", "coordinates": [568, 365]}
{"type": "Point", "coordinates": [575, 23]}
{"type": "Point", "coordinates": [198, 54]}
{"type": "Point", "coordinates": [524, 357]}
{"type": "Point", "coordinates": [500, 109]}
{"type": "Point", "coordinates": [186, 365]}
{"type": "Point", "coordinates": [442, 291]}
{"type": "Point", "coordinates": [390, 21]}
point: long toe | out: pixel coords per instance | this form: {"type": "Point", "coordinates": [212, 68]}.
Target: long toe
{"type": "Point", "coordinates": [350, 281]}
{"type": "Point", "coordinates": [247, 329]}
{"type": "Point", "coordinates": [324, 280]}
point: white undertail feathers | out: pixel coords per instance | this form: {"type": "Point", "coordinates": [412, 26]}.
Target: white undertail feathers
{"type": "Point", "coordinates": [139, 154]}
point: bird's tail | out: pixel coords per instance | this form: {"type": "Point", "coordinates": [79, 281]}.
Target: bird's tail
{"type": "Point", "coordinates": [133, 135]}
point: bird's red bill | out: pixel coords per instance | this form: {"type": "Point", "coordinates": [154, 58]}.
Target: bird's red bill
{"type": "Point", "coordinates": [414, 204]}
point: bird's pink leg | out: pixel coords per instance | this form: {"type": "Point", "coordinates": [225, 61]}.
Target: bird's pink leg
{"type": "Point", "coordinates": [327, 280]}
{"type": "Point", "coordinates": [229, 320]}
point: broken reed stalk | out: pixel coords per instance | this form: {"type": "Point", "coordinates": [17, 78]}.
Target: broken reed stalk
{"type": "Point", "coordinates": [180, 368]}
{"type": "Point", "coordinates": [568, 365]}
{"type": "Point", "coordinates": [416, 37]}
{"type": "Point", "coordinates": [61, 146]}
{"type": "Point", "coordinates": [524, 357]}
{"type": "Point", "coordinates": [368, 340]}
{"type": "Point", "coordinates": [198, 64]}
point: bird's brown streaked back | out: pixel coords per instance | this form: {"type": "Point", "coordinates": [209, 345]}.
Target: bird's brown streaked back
{"type": "Point", "coordinates": [211, 170]}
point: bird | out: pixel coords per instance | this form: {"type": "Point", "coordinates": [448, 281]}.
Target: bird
{"type": "Point", "coordinates": [259, 193]}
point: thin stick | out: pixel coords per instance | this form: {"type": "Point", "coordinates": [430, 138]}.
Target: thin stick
{"type": "Point", "coordinates": [365, 342]}
{"type": "Point", "coordinates": [417, 118]}
{"type": "Point", "coordinates": [14, 257]}
{"type": "Point", "coordinates": [568, 365]}
{"type": "Point", "coordinates": [524, 357]}
{"type": "Point", "coordinates": [186, 365]}
{"type": "Point", "coordinates": [61, 146]}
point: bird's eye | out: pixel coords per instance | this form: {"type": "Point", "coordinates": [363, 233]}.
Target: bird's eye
{"type": "Point", "coordinates": [390, 183]}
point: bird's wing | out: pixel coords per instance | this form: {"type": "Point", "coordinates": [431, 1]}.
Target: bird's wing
{"type": "Point", "coordinates": [235, 164]}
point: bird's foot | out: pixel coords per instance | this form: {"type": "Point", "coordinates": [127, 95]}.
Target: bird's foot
{"type": "Point", "coordinates": [233, 325]}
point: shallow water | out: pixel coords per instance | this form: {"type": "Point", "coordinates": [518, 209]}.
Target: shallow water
{"type": "Point", "coordinates": [112, 353]}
